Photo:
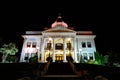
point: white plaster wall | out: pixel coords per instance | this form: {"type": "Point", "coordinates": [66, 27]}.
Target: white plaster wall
{"type": "Point", "coordinates": [29, 38]}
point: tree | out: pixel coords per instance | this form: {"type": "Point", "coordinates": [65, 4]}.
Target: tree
{"type": "Point", "coordinates": [8, 49]}
{"type": "Point", "coordinates": [106, 59]}
{"type": "Point", "coordinates": [98, 58]}
{"type": "Point", "coordinates": [114, 57]}
{"type": "Point", "coordinates": [82, 60]}
{"type": "Point", "coordinates": [34, 59]}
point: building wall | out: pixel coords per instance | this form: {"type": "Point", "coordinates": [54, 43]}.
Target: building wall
{"type": "Point", "coordinates": [39, 40]}
{"type": "Point", "coordinates": [34, 42]}
{"type": "Point", "coordinates": [86, 45]}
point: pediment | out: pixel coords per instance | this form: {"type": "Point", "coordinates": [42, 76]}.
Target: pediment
{"type": "Point", "coordinates": [59, 29]}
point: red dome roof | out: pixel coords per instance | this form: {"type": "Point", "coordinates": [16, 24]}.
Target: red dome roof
{"type": "Point", "coordinates": [59, 22]}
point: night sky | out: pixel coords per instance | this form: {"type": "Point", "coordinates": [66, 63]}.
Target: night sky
{"type": "Point", "coordinates": [99, 18]}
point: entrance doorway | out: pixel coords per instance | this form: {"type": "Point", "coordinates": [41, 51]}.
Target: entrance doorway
{"type": "Point", "coordinates": [58, 57]}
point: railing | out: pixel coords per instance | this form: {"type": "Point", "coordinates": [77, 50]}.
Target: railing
{"type": "Point", "coordinates": [82, 73]}
{"type": "Point", "coordinates": [46, 68]}
{"type": "Point", "coordinates": [72, 66]}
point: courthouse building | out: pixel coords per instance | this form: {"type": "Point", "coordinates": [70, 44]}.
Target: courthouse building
{"type": "Point", "coordinates": [58, 42]}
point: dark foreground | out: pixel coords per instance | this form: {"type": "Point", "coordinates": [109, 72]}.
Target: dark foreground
{"type": "Point", "coordinates": [58, 71]}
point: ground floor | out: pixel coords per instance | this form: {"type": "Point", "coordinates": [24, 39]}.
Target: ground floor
{"type": "Point", "coordinates": [58, 56]}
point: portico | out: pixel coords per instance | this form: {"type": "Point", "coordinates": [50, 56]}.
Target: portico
{"type": "Point", "coordinates": [58, 48]}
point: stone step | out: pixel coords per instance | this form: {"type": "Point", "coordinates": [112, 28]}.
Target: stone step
{"type": "Point", "coordinates": [60, 69]}
{"type": "Point", "coordinates": [60, 76]}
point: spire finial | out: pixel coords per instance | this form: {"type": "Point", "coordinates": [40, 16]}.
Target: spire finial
{"type": "Point", "coordinates": [59, 15]}
{"type": "Point", "coordinates": [59, 22]}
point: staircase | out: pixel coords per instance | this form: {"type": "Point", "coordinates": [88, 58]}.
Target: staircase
{"type": "Point", "coordinates": [60, 70]}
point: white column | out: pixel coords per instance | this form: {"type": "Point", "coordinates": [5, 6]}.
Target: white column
{"type": "Point", "coordinates": [22, 56]}
{"type": "Point", "coordinates": [53, 52]}
{"type": "Point", "coordinates": [42, 51]}
{"type": "Point", "coordinates": [78, 47]}
{"type": "Point", "coordinates": [64, 45]}
{"type": "Point", "coordinates": [80, 54]}
{"type": "Point", "coordinates": [75, 55]}
{"type": "Point", "coordinates": [38, 54]}
{"type": "Point", "coordinates": [88, 56]}
{"type": "Point", "coordinates": [94, 48]}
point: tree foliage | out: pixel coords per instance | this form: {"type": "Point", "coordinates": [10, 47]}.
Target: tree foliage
{"type": "Point", "coordinates": [34, 59]}
{"type": "Point", "coordinates": [114, 57]}
{"type": "Point", "coordinates": [98, 58]}
{"type": "Point", "coordinates": [106, 59]}
{"type": "Point", "coordinates": [82, 60]}
{"type": "Point", "coordinates": [8, 49]}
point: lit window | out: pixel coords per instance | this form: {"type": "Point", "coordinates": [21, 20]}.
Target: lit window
{"type": "Point", "coordinates": [69, 45]}
{"type": "Point", "coordinates": [83, 44]}
{"type": "Point", "coordinates": [34, 45]}
{"type": "Point", "coordinates": [89, 44]}
{"type": "Point", "coordinates": [28, 44]}
{"type": "Point", "coordinates": [59, 46]}
{"type": "Point", "coordinates": [49, 45]}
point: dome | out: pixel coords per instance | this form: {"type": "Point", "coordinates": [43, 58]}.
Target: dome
{"type": "Point", "coordinates": [59, 22]}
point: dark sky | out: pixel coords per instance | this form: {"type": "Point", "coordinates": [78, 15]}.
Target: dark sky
{"type": "Point", "coordinates": [101, 18]}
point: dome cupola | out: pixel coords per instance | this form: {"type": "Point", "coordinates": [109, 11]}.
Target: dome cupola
{"type": "Point", "coordinates": [59, 22]}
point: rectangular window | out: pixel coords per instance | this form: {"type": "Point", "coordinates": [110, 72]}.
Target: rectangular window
{"type": "Point", "coordinates": [89, 44]}
{"type": "Point", "coordinates": [59, 46]}
{"type": "Point", "coordinates": [34, 45]}
{"type": "Point", "coordinates": [26, 56]}
{"type": "Point", "coordinates": [85, 56]}
{"type": "Point", "coordinates": [91, 56]}
{"type": "Point", "coordinates": [69, 45]}
{"type": "Point", "coordinates": [49, 45]}
{"type": "Point", "coordinates": [83, 45]}
{"type": "Point", "coordinates": [28, 44]}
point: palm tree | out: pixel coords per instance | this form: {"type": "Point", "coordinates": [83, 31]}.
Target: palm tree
{"type": "Point", "coordinates": [8, 49]}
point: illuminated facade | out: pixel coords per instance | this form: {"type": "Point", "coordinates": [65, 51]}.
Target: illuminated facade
{"type": "Point", "coordinates": [58, 42]}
